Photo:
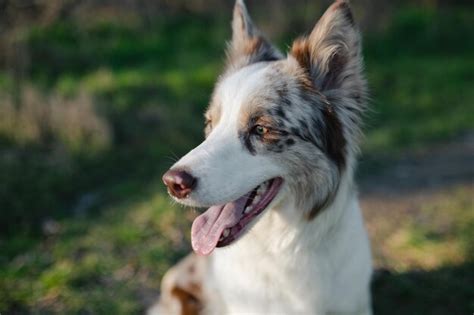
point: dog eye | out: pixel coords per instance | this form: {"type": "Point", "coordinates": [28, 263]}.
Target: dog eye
{"type": "Point", "coordinates": [260, 130]}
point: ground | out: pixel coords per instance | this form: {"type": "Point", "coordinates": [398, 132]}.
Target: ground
{"type": "Point", "coordinates": [419, 212]}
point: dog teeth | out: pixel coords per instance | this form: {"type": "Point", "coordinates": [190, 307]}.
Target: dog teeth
{"type": "Point", "coordinates": [226, 233]}
{"type": "Point", "coordinates": [221, 238]}
{"type": "Point", "coordinates": [256, 199]}
{"type": "Point", "coordinates": [258, 196]}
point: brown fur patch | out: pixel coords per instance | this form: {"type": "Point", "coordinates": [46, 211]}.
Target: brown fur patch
{"type": "Point", "coordinates": [323, 67]}
{"type": "Point", "coordinates": [189, 299]}
{"type": "Point", "coordinates": [301, 51]}
{"type": "Point", "coordinates": [247, 114]}
{"type": "Point", "coordinates": [335, 140]}
{"type": "Point", "coordinates": [320, 206]}
{"type": "Point", "coordinates": [335, 146]}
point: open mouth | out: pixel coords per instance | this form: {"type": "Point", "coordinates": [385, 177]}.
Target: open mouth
{"type": "Point", "coordinates": [221, 225]}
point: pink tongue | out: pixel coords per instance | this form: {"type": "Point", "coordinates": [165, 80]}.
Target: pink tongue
{"type": "Point", "coordinates": [208, 227]}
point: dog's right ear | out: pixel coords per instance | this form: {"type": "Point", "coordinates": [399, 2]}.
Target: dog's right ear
{"type": "Point", "coordinates": [248, 45]}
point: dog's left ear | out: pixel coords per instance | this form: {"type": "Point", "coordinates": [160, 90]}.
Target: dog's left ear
{"type": "Point", "coordinates": [248, 45]}
{"type": "Point", "coordinates": [331, 54]}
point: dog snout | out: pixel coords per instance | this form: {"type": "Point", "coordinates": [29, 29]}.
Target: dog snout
{"type": "Point", "coordinates": [180, 183]}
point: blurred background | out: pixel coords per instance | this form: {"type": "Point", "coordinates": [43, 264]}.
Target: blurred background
{"type": "Point", "coordinates": [99, 97]}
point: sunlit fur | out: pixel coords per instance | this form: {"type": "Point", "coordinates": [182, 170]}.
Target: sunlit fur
{"type": "Point", "coordinates": [308, 252]}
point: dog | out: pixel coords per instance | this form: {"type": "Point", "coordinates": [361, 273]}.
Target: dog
{"type": "Point", "coordinates": [283, 232]}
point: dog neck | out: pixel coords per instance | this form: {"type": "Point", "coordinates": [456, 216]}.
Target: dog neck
{"type": "Point", "coordinates": [284, 247]}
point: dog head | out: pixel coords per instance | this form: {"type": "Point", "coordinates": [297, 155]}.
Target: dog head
{"type": "Point", "coordinates": [278, 128]}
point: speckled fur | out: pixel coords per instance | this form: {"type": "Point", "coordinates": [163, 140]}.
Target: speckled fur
{"type": "Point", "coordinates": [308, 253]}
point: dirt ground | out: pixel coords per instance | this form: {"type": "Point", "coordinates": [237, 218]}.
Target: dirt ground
{"type": "Point", "coordinates": [419, 210]}
{"type": "Point", "coordinates": [430, 169]}
{"type": "Point", "coordinates": [398, 196]}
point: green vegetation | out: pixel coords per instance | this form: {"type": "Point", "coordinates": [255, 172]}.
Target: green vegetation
{"type": "Point", "coordinates": [421, 76]}
{"type": "Point", "coordinates": [85, 225]}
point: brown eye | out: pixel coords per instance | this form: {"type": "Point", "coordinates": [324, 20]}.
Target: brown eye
{"type": "Point", "coordinates": [260, 130]}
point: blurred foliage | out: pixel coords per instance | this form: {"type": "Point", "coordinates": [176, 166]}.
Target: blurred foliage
{"type": "Point", "coordinates": [421, 74]}
{"type": "Point", "coordinates": [110, 264]}
{"type": "Point", "coordinates": [151, 97]}
{"type": "Point", "coordinates": [86, 228]}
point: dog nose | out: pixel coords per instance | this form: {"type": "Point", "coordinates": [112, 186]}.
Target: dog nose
{"type": "Point", "coordinates": [180, 183]}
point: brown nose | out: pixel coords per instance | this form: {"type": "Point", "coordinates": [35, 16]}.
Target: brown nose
{"type": "Point", "coordinates": [180, 183]}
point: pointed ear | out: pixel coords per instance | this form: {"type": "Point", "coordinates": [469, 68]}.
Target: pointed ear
{"type": "Point", "coordinates": [248, 45]}
{"type": "Point", "coordinates": [331, 54]}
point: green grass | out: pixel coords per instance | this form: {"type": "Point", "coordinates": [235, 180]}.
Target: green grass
{"type": "Point", "coordinates": [421, 74]}
{"type": "Point", "coordinates": [429, 101]}
{"type": "Point", "coordinates": [98, 265]}
{"type": "Point", "coordinates": [151, 85]}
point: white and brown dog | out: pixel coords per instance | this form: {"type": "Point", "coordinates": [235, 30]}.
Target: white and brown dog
{"type": "Point", "coordinates": [283, 233]}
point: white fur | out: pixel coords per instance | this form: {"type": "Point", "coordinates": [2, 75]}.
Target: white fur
{"type": "Point", "coordinates": [299, 267]}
